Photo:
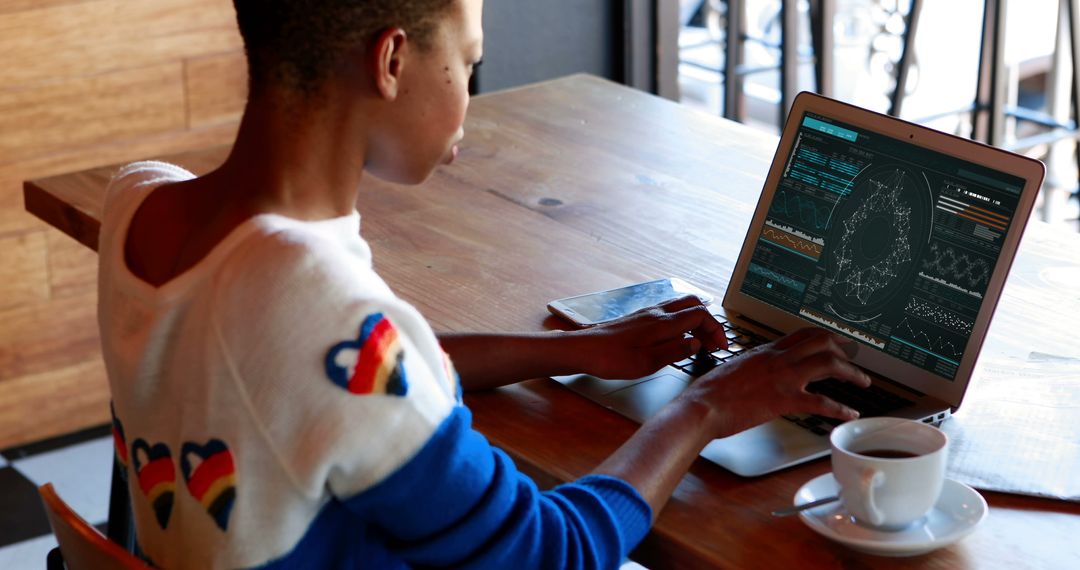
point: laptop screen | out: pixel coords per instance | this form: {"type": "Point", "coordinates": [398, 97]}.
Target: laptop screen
{"type": "Point", "coordinates": [882, 240]}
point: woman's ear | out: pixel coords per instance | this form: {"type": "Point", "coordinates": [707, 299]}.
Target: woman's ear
{"type": "Point", "coordinates": [388, 61]}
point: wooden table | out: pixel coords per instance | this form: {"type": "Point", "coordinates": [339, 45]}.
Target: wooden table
{"type": "Point", "coordinates": [579, 184]}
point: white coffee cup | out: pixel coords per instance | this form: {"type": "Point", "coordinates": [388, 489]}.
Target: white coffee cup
{"type": "Point", "coordinates": [890, 470]}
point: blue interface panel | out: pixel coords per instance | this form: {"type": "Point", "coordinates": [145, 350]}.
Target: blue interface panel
{"type": "Point", "coordinates": [883, 241]}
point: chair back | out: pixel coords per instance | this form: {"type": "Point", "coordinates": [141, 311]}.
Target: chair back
{"type": "Point", "coordinates": [82, 546]}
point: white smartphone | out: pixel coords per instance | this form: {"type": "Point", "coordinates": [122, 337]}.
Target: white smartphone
{"type": "Point", "coordinates": [603, 306]}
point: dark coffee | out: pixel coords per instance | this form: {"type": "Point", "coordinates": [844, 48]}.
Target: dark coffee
{"type": "Point", "coordinates": [888, 453]}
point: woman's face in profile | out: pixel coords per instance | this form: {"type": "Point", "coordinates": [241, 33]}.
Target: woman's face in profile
{"type": "Point", "coordinates": [429, 113]}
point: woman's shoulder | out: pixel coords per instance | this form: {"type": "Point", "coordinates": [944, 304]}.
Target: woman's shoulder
{"type": "Point", "coordinates": [132, 183]}
{"type": "Point", "coordinates": [144, 172]}
{"type": "Point", "coordinates": [285, 246]}
{"type": "Point", "coordinates": [283, 258]}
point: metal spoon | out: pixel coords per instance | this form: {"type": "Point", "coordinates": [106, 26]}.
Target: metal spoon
{"type": "Point", "coordinates": [798, 508]}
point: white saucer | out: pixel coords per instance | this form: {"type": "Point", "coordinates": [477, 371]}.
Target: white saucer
{"type": "Point", "coordinates": [958, 511]}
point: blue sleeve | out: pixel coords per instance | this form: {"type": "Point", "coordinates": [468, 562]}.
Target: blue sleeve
{"type": "Point", "coordinates": [462, 503]}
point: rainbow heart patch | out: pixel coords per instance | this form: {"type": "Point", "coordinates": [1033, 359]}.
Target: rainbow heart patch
{"type": "Point", "coordinates": [371, 363]}
{"type": "Point", "coordinates": [157, 477]}
{"type": "Point", "coordinates": [118, 437]}
{"type": "Point", "coordinates": [210, 474]}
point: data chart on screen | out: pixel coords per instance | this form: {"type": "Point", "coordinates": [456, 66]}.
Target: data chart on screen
{"type": "Point", "coordinates": [883, 241]}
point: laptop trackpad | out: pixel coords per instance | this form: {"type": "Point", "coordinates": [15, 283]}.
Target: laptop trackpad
{"type": "Point", "coordinates": [756, 451]}
{"type": "Point", "coordinates": [644, 399]}
{"type": "Point", "coordinates": [766, 448]}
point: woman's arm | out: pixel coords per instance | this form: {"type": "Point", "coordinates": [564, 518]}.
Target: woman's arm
{"type": "Point", "coordinates": [769, 381]}
{"type": "Point", "coordinates": [634, 346]}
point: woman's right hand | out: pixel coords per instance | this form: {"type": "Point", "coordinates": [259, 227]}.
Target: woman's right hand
{"type": "Point", "coordinates": [771, 380]}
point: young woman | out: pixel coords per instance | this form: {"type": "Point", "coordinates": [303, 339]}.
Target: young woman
{"type": "Point", "coordinates": [279, 406]}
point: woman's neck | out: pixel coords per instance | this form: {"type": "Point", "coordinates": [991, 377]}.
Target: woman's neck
{"type": "Point", "coordinates": [295, 158]}
{"type": "Point", "coordinates": [289, 160]}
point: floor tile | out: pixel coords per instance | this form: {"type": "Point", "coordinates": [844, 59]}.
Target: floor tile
{"type": "Point", "coordinates": [27, 555]}
{"type": "Point", "coordinates": [81, 474]}
{"type": "Point", "coordinates": [22, 516]}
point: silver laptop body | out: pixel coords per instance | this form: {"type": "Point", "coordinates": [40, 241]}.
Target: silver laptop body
{"type": "Point", "coordinates": [893, 234]}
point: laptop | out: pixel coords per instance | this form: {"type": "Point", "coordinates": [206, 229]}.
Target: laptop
{"type": "Point", "coordinates": [887, 232]}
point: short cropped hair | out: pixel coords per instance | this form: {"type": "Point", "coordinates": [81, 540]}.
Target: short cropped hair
{"type": "Point", "coordinates": [295, 43]}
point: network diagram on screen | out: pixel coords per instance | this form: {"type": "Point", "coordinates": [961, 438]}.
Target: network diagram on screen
{"type": "Point", "coordinates": [882, 240]}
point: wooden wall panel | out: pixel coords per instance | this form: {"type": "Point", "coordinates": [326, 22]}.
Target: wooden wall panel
{"type": "Point", "coordinates": [96, 37]}
{"type": "Point", "coordinates": [72, 268]}
{"type": "Point", "coordinates": [85, 83]}
{"type": "Point", "coordinates": [24, 274]}
{"type": "Point", "coordinates": [58, 401]}
{"type": "Point", "coordinates": [13, 219]}
{"type": "Point", "coordinates": [90, 110]}
{"type": "Point", "coordinates": [216, 88]}
{"type": "Point", "coordinates": [8, 6]}
{"type": "Point", "coordinates": [113, 152]}
{"type": "Point", "coordinates": [48, 335]}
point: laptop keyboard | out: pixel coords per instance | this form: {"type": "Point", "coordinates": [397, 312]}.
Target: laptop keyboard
{"type": "Point", "coordinates": [739, 341]}
{"type": "Point", "coordinates": [872, 401]}
{"type": "Point", "coordinates": [869, 402]}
